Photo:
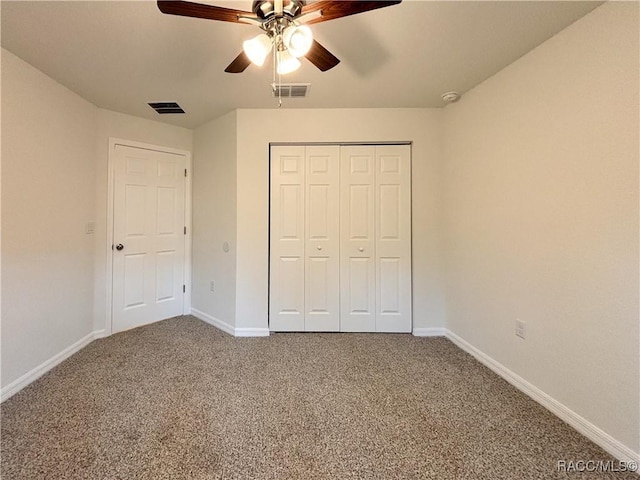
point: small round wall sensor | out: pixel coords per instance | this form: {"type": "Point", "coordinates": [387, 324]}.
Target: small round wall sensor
{"type": "Point", "coordinates": [225, 247]}
{"type": "Point", "coordinates": [450, 97]}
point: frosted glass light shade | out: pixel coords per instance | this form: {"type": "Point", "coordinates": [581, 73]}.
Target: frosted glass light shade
{"type": "Point", "coordinates": [297, 39]}
{"type": "Point", "coordinates": [257, 48]}
{"type": "Point", "coordinates": [287, 63]}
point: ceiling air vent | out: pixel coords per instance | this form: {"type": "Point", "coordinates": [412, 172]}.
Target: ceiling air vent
{"type": "Point", "coordinates": [291, 90]}
{"type": "Point", "coordinates": [166, 107]}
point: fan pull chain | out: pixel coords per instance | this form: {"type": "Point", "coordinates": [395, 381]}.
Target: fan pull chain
{"type": "Point", "coordinates": [273, 83]}
{"type": "Point", "coordinates": [279, 91]}
{"type": "Point", "coordinates": [279, 84]}
{"type": "Point", "coordinates": [273, 80]}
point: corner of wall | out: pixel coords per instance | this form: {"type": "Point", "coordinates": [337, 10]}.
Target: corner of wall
{"type": "Point", "coordinates": [214, 222]}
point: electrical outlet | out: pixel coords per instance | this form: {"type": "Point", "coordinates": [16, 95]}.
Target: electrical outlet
{"type": "Point", "coordinates": [212, 286]}
{"type": "Point", "coordinates": [521, 328]}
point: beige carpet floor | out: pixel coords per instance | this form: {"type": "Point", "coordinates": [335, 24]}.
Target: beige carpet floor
{"type": "Point", "coordinates": [181, 400]}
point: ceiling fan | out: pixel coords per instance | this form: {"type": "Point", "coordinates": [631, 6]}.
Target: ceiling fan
{"type": "Point", "coordinates": [285, 28]}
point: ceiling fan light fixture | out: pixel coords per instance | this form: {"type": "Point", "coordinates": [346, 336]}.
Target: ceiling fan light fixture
{"type": "Point", "coordinates": [297, 39]}
{"type": "Point", "coordinates": [274, 17]}
{"type": "Point", "coordinates": [257, 48]}
{"type": "Point", "coordinates": [287, 63]}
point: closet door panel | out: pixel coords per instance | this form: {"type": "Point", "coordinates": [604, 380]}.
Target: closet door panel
{"type": "Point", "coordinates": [357, 232]}
{"type": "Point", "coordinates": [287, 259]}
{"type": "Point", "coordinates": [322, 239]}
{"type": "Point", "coordinates": [393, 239]}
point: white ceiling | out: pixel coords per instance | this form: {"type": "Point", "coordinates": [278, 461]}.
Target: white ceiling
{"type": "Point", "coordinates": [120, 55]}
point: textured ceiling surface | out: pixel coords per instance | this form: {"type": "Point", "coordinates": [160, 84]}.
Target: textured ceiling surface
{"type": "Point", "coordinates": [120, 55]}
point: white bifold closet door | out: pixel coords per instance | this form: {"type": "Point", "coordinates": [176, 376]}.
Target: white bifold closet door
{"type": "Point", "coordinates": [304, 247]}
{"type": "Point", "coordinates": [340, 238]}
{"type": "Point", "coordinates": [375, 230]}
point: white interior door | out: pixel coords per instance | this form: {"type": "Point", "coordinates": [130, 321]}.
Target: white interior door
{"type": "Point", "coordinates": [393, 238]}
{"type": "Point", "coordinates": [148, 236]}
{"type": "Point", "coordinates": [322, 234]}
{"type": "Point", "coordinates": [357, 232]}
{"type": "Point", "coordinates": [287, 259]}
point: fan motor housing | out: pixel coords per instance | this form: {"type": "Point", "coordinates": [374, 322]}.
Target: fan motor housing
{"type": "Point", "coordinates": [265, 8]}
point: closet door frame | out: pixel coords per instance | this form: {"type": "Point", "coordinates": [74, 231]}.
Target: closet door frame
{"type": "Point", "coordinates": [408, 303]}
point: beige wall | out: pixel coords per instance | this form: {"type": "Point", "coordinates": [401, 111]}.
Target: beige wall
{"type": "Point", "coordinates": [214, 218]}
{"type": "Point", "coordinates": [48, 182]}
{"type": "Point", "coordinates": [541, 218]}
{"type": "Point", "coordinates": [256, 128]}
{"type": "Point", "coordinates": [55, 158]}
{"type": "Point", "coordinates": [125, 127]}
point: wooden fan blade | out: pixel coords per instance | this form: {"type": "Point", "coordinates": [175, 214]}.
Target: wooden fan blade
{"type": "Point", "coordinates": [341, 8]}
{"type": "Point", "coordinates": [321, 57]}
{"type": "Point", "coordinates": [239, 64]}
{"type": "Point", "coordinates": [198, 10]}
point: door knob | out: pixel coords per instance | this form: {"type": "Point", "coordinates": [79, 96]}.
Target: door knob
{"type": "Point", "coordinates": [119, 246]}
{"type": "Point", "coordinates": [361, 249]}
{"type": "Point", "coordinates": [319, 247]}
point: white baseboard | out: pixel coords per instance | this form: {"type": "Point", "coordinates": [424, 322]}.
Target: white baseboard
{"type": "Point", "coordinates": [225, 327]}
{"type": "Point", "coordinates": [252, 332]}
{"type": "Point", "coordinates": [100, 334]}
{"type": "Point", "coordinates": [429, 332]}
{"type": "Point", "coordinates": [29, 377]}
{"type": "Point", "coordinates": [586, 428]}
{"type": "Point", "coordinates": [216, 322]}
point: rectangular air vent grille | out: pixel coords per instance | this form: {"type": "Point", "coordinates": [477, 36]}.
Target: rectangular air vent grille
{"type": "Point", "coordinates": [291, 90]}
{"type": "Point", "coordinates": [166, 107]}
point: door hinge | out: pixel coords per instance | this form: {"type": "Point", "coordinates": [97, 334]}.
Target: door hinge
{"type": "Point", "coordinates": [184, 288]}
{"type": "Point", "coordinates": [185, 230]}
{"type": "Point", "coordinates": [185, 172]}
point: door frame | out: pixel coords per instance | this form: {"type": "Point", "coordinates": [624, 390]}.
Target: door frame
{"type": "Point", "coordinates": [186, 280]}
{"type": "Point", "coordinates": [341, 143]}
